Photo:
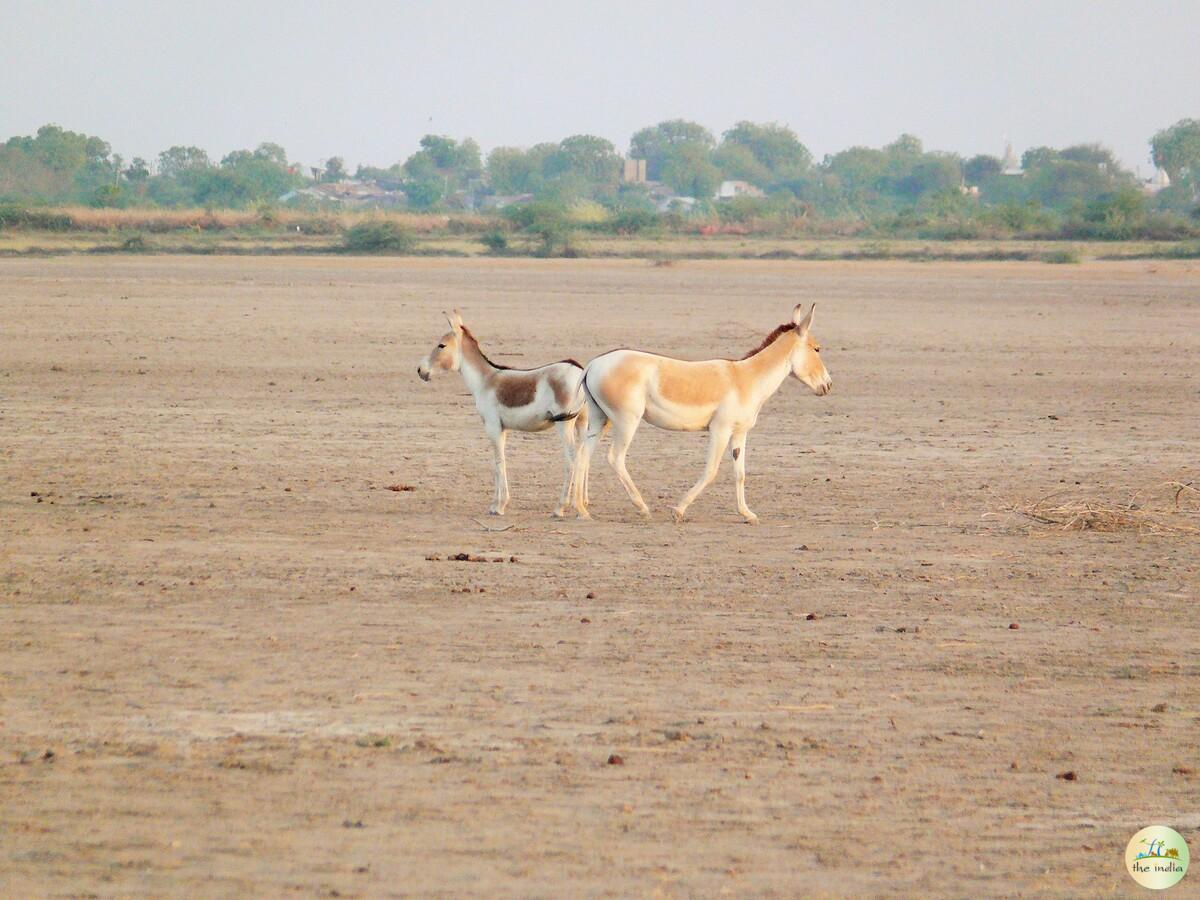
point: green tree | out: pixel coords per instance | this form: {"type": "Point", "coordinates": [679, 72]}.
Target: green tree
{"type": "Point", "coordinates": [979, 169]}
{"type": "Point", "coordinates": [738, 162]}
{"type": "Point", "coordinates": [1176, 150]}
{"type": "Point", "coordinates": [440, 166]}
{"type": "Point", "coordinates": [176, 160]}
{"type": "Point", "coordinates": [272, 153]}
{"type": "Point", "coordinates": [441, 151]}
{"type": "Point", "coordinates": [512, 170]}
{"type": "Point", "coordinates": [469, 162]}
{"type": "Point", "coordinates": [859, 174]}
{"type": "Point", "coordinates": [1092, 154]}
{"type": "Point", "coordinates": [931, 173]}
{"type": "Point", "coordinates": [335, 170]}
{"type": "Point", "coordinates": [138, 171]}
{"type": "Point", "coordinates": [1066, 184]}
{"type": "Point", "coordinates": [655, 143]}
{"type": "Point", "coordinates": [258, 175]}
{"type": "Point", "coordinates": [774, 146]}
{"type": "Point", "coordinates": [56, 165]}
{"type": "Point", "coordinates": [1119, 213]}
{"type": "Point", "coordinates": [1038, 157]}
{"type": "Point", "coordinates": [590, 157]}
{"type": "Point", "coordinates": [905, 147]}
{"type": "Point", "coordinates": [424, 192]}
{"type": "Point", "coordinates": [689, 170]}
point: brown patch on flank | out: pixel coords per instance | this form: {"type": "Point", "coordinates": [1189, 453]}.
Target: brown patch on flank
{"type": "Point", "coordinates": [561, 394]}
{"type": "Point", "coordinates": [513, 390]}
{"type": "Point", "coordinates": [737, 451]}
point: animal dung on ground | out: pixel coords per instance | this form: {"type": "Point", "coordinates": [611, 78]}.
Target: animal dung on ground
{"type": "Point", "coordinates": [1069, 775]}
{"type": "Point", "coordinates": [616, 760]}
{"type": "Point", "coordinates": [401, 487]}
{"type": "Point", "coordinates": [471, 557]}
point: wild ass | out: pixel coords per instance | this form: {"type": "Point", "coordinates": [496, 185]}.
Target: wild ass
{"type": "Point", "coordinates": [514, 400]}
{"type": "Point", "coordinates": [721, 395]}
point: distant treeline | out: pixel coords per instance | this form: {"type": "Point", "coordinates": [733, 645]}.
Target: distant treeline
{"type": "Point", "coordinates": [1079, 191]}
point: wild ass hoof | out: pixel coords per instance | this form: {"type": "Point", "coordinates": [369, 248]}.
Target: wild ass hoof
{"type": "Point", "coordinates": [560, 513]}
{"type": "Point", "coordinates": [677, 514]}
{"type": "Point", "coordinates": [751, 518]}
{"type": "Point", "coordinates": [583, 515]}
{"type": "Point", "coordinates": [493, 511]}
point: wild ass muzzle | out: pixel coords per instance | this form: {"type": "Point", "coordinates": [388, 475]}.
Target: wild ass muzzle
{"type": "Point", "coordinates": [514, 400]}
{"type": "Point", "coordinates": [722, 396]}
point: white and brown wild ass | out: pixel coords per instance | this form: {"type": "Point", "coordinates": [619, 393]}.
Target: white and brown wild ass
{"type": "Point", "coordinates": [724, 396]}
{"type": "Point", "coordinates": [514, 400]}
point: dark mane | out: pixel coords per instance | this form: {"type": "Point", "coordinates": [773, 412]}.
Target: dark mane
{"type": "Point", "coordinates": [771, 338]}
{"type": "Point", "coordinates": [495, 365]}
{"type": "Point", "coordinates": [466, 333]}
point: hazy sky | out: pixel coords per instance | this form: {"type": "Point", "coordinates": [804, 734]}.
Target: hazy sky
{"type": "Point", "coordinates": [366, 80]}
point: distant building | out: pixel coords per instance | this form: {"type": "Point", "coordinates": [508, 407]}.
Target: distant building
{"type": "Point", "coordinates": [499, 201]}
{"type": "Point", "coordinates": [730, 189]}
{"type": "Point", "coordinates": [633, 171]}
{"type": "Point", "coordinates": [1011, 163]}
{"type": "Point", "coordinates": [666, 200]}
{"type": "Point", "coordinates": [351, 194]}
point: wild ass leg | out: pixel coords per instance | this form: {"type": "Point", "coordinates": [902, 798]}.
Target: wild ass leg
{"type": "Point", "coordinates": [597, 425]}
{"type": "Point", "coordinates": [718, 439]}
{"type": "Point", "coordinates": [500, 498]}
{"type": "Point", "coordinates": [623, 431]}
{"type": "Point", "coordinates": [566, 431]}
{"type": "Point", "coordinates": [738, 450]}
{"type": "Point", "coordinates": [581, 429]}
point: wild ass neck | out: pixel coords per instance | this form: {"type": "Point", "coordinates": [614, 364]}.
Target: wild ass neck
{"type": "Point", "coordinates": [475, 366]}
{"type": "Point", "coordinates": [765, 371]}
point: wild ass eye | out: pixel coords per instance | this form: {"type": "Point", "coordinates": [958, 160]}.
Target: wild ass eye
{"type": "Point", "coordinates": [441, 346]}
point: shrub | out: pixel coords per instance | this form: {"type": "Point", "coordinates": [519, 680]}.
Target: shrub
{"type": "Point", "coordinates": [548, 223]}
{"type": "Point", "coordinates": [496, 242]}
{"type": "Point", "coordinates": [12, 216]}
{"type": "Point", "coordinates": [1062, 257]}
{"type": "Point", "coordinates": [587, 212]}
{"type": "Point", "coordinates": [377, 236]}
{"type": "Point", "coordinates": [632, 220]}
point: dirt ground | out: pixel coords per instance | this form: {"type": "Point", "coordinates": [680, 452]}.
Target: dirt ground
{"type": "Point", "coordinates": [233, 662]}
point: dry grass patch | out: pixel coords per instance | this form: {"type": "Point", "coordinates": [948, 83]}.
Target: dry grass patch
{"type": "Point", "coordinates": [1167, 508]}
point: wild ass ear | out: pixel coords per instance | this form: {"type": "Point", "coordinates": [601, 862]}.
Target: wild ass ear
{"type": "Point", "coordinates": [803, 323]}
{"type": "Point", "coordinates": [454, 319]}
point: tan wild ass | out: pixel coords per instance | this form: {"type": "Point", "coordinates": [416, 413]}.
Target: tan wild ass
{"type": "Point", "coordinates": [721, 395]}
{"type": "Point", "coordinates": [514, 399]}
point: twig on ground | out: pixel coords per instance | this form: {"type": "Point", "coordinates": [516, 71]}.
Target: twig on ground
{"type": "Point", "coordinates": [486, 527]}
